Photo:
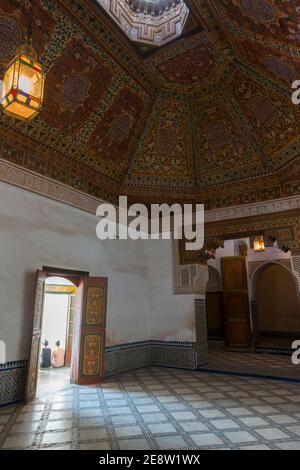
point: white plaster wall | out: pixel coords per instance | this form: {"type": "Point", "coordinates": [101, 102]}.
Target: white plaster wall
{"type": "Point", "coordinates": [271, 253]}
{"type": "Point", "coordinates": [35, 231]}
{"type": "Point", "coordinates": [173, 316]}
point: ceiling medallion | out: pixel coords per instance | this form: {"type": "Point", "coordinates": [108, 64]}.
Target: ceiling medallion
{"type": "Point", "coordinates": [166, 140]}
{"type": "Point", "coordinates": [74, 91]}
{"type": "Point", "coordinates": [261, 10]}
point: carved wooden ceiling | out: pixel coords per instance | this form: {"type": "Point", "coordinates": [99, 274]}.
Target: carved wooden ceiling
{"type": "Point", "coordinates": [207, 117]}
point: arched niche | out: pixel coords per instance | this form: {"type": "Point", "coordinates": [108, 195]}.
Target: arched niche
{"type": "Point", "coordinates": [275, 305]}
{"type": "Point", "coordinates": [261, 268]}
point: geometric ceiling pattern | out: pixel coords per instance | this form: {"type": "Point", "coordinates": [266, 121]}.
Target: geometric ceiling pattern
{"type": "Point", "coordinates": [207, 117]}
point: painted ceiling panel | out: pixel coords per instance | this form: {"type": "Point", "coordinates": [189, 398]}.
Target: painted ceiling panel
{"type": "Point", "coordinates": [76, 82]}
{"type": "Point", "coordinates": [203, 116]}
{"type": "Point", "coordinates": [277, 65]}
{"type": "Point", "coordinates": [224, 150]}
{"type": "Point", "coordinates": [274, 119]}
{"type": "Point", "coordinates": [272, 19]}
{"type": "Point", "coordinates": [118, 127]}
{"type": "Point", "coordinates": [164, 151]}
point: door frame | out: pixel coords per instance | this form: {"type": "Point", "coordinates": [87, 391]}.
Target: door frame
{"type": "Point", "coordinates": [70, 291]}
{"type": "Point", "coordinates": [78, 278]}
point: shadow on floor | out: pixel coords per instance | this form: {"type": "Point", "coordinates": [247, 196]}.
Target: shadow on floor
{"type": "Point", "coordinates": [253, 363]}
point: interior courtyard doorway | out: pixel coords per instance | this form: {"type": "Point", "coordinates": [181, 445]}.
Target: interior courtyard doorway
{"type": "Point", "coordinates": [57, 335]}
{"type": "Point", "coordinates": [81, 324]}
{"type": "Point", "coordinates": [277, 307]}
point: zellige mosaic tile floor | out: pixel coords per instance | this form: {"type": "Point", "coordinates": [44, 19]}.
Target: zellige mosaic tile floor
{"type": "Point", "coordinates": [160, 408]}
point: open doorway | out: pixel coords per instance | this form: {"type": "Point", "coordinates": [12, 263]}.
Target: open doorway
{"type": "Point", "coordinates": [80, 328]}
{"type": "Point", "coordinates": [56, 335]}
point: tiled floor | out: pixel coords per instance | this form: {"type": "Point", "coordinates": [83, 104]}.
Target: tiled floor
{"type": "Point", "coordinates": [274, 365]}
{"type": "Point", "coordinates": [160, 408]}
{"type": "Point", "coordinates": [53, 379]}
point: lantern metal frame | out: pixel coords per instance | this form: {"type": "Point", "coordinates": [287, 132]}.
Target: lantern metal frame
{"type": "Point", "coordinates": [15, 97]}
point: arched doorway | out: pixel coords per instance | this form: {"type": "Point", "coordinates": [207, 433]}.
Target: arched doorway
{"type": "Point", "coordinates": [277, 307]}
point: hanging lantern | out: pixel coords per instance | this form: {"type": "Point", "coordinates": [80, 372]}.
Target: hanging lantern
{"type": "Point", "coordinates": [23, 85]}
{"type": "Point", "coordinates": [259, 244]}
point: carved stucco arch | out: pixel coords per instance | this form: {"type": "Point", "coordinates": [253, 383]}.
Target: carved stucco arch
{"type": "Point", "coordinates": [253, 281]}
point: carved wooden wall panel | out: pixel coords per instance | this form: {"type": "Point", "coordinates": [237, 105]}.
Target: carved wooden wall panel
{"type": "Point", "coordinates": [235, 302]}
{"type": "Point", "coordinates": [234, 273]}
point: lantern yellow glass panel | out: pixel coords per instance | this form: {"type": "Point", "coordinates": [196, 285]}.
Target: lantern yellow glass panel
{"type": "Point", "coordinates": [23, 88]}
{"type": "Point", "coordinates": [259, 244]}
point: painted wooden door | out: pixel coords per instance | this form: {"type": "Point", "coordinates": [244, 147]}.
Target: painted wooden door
{"type": "Point", "coordinates": [33, 365]}
{"type": "Point", "coordinates": [236, 303]}
{"type": "Point", "coordinates": [89, 334]}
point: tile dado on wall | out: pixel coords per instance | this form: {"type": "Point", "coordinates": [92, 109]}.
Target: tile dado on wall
{"type": "Point", "coordinates": [12, 381]}
{"type": "Point", "coordinates": [118, 359]}
{"type": "Point", "coordinates": [164, 353]}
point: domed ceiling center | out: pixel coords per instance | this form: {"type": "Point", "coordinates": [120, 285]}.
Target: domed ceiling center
{"type": "Point", "coordinates": [152, 22]}
{"type": "Point", "coordinates": [152, 7]}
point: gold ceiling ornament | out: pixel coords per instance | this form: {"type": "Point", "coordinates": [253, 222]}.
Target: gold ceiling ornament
{"type": "Point", "coordinates": [23, 82]}
{"type": "Point", "coordinates": [259, 244]}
